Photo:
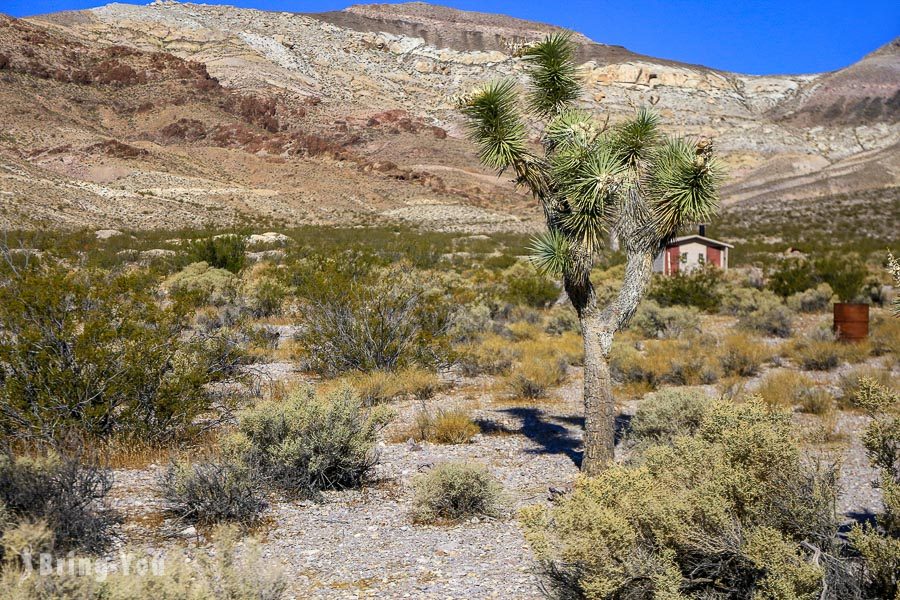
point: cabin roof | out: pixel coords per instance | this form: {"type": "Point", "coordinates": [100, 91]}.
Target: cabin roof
{"type": "Point", "coordinates": [700, 239]}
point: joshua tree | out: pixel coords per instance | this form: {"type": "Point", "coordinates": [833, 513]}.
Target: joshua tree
{"type": "Point", "coordinates": [591, 179]}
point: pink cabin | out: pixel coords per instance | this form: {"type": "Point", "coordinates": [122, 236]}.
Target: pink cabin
{"type": "Point", "coordinates": [686, 253]}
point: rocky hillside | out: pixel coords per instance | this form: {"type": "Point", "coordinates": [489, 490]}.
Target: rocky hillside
{"type": "Point", "coordinates": [186, 115]}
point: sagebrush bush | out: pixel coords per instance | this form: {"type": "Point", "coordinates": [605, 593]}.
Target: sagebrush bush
{"type": "Point", "coordinates": [233, 569]}
{"type": "Point", "coordinates": [470, 321]}
{"type": "Point", "coordinates": [533, 377]}
{"type": "Point", "coordinates": [215, 490]}
{"type": "Point", "coordinates": [769, 318]}
{"type": "Point", "coordinates": [733, 505]}
{"type": "Point", "coordinates": [63, 494]}
{"type": "Point", "coordinates": [879, 544]}
{"type": "Point", "coordinates": [741, 301]}
{"type": "Point", "coordinates": [816, 401]}
{"type": "Point", "coordinates": [199, 283]}
{"type": "Point", "coordinates": [387, 322]}
{"type": "Point", "coordinates": [93, 352]}
{"type": "Point", "coordinates": [812, 300]}
{"type": "Point", "coordinates": [742, 355]}
{"type": "Point", "coordinates": [654, 321]}
{"type": "Point", "coordinates": [309, 443]}
{"type": "Point", "coordinates": [663, 416]}
{"type": "Point", "coordinates": [453, 491]}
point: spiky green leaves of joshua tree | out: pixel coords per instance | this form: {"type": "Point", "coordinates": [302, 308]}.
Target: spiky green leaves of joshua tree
{"type": "Point", "coordinates": [551, 253]}
{"type": "Point", "coordinates": [682, 184]}
{"type": "Point", "coordinates": [591, 176]}
{"type": "Point", "coordinates": [495, 125]}
{"type": "Point", "coordinates": [553, 74]}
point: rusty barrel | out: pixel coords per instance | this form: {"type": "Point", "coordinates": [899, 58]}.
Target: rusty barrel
{"type": "Point", "coordinates": [851, 321]}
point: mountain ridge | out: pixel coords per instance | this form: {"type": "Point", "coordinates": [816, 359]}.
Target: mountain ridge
{"type": "Point", "coordinates": [330, 118]}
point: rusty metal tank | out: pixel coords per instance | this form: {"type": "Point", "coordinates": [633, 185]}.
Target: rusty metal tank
{"type": "Point", "coordinates": [851, 321]}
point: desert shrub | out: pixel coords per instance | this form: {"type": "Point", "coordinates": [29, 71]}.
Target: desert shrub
{"type": "Point", "coordinates": [568, 347]}
{"type": "Point", "coordinates": [562, 319]}
{"type": "Point", "coordinates": [654, 321]}
{"type": "Point", "coordinates": [893, 267]}
{"type": "Point", "coordinates": [24, 541]}
{"type": "Point", "coordinates": [524, 330]}
{"type": "Point", "coordinates": [882, 436]}
{"type": "Point", "coordinates": [701, 288]}
{"type": "Point", "coordinates": [770, 318]}
{"type": "Point", "coordinates": [881, 559]}
{"type": "Point", "coordinates": [784, 388]}
{"type": "Point", "coordinates": [491, 355]}
{"type": "Point", "coordinates": [388, 323]}
{"type": "Point", "coordinates": [817, 401]}
{"type": "Point", "coordinates": [792, 276]}
{"type": "Point", "coordinates": [267, 297]}
{"type": "Point", "coordinates": [845, 273]}
{"type": "Point", "coordinates": [454, 491]}
{"type": "Point", "coordinates": [379, 386]}
{"type": "Point", "coordinates": [812, 300]}
{"type": "Point", "coordinates": [535, 375]}
{"type": "Point", "coordinates": [734, 506]}
{"type": "Point", "coordinates": [453, 426]}
{"type": "Point", "coordinates": [885, 336]}
{"type": "Point", "coordinates": [879, 544]}
{"type": "Point", "coordinates": [213, 490]}
{"type": "Point", "coordinates": [470, 321]}
{"type": "Point", "coordinates": [742, 355]}
{"type": "Point", "coordinates": [818, 354]}
{"type": "Point", "coordinates": [663, 416]}
{"type": "Point", "coordinates": [687, 361]}
{"type": "Point", "coordinates": [310, 443]}
{"type": "Point", "coordinates": [227, 252]}
{"type": "Point", "coordinates": [199, 283]}
{"type": "Point", "coordinates": [524, 285]}
{"type": "Point", "coordinates": [62, 493]}
{"type": "Point", "coordinates": [741, 301]}
{"type": "Point", "coordinates": [849, 387]}
{"type": "Point", "coordinates": [93, 352]}
{"type": "Point", "coordinates": [233, 569]}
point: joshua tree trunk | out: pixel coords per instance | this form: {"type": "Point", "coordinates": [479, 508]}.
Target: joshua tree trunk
{"type": "Point", "coordinates": [599, 405]}
{"type": "Point", "coordinates": [627, 185]}
{"type": "Point", "coordinates": [598, 328]}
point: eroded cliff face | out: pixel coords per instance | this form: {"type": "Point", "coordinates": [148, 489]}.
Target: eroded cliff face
{"type": "Point", "coordinates": [381, 82]}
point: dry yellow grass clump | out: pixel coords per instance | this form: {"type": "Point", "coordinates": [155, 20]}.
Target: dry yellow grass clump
{"type": "Point", "coordinates": [377, 387]}
{"type": "Point", "coordinates": [453, 426]}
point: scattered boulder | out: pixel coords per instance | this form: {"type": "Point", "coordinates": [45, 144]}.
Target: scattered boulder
{"type": "Point", "coordinates": [105, 234]}
{"type": "Point", "coordinates": [270, 237]}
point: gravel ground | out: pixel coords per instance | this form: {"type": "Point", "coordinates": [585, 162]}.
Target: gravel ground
{"type": "Point", "coordinates": [363, 544]}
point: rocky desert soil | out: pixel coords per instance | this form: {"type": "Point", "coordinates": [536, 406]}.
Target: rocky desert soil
{"type": "Point", "coordinates": [363, 543]}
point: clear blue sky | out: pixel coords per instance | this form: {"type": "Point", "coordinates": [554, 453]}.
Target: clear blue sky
{"type": "Point", "coordinates": [748, 36]}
